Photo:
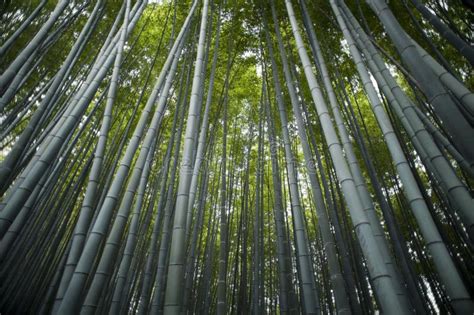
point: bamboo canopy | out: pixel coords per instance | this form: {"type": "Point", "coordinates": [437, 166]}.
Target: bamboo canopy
{"type": "Point", "coordinates": [236, 157]}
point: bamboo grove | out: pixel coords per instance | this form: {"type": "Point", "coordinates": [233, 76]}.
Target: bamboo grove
{"type": "Point", "coordinates": [236, 157]}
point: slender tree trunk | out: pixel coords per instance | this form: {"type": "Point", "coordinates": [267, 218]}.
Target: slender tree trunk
{"type": "Point", "coordinates": [457, 126]}
{"type": "Point", "coordinates": [173, 300]}
{"type": "Point", "coordinates": [444, 30]}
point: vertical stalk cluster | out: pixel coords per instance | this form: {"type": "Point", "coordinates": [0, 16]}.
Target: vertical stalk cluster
{"type": "Point", "coordinates": [236, 157]}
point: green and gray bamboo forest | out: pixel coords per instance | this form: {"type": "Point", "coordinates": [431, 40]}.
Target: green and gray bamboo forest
{"type": "Point", "coordinates": [236, 157]}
